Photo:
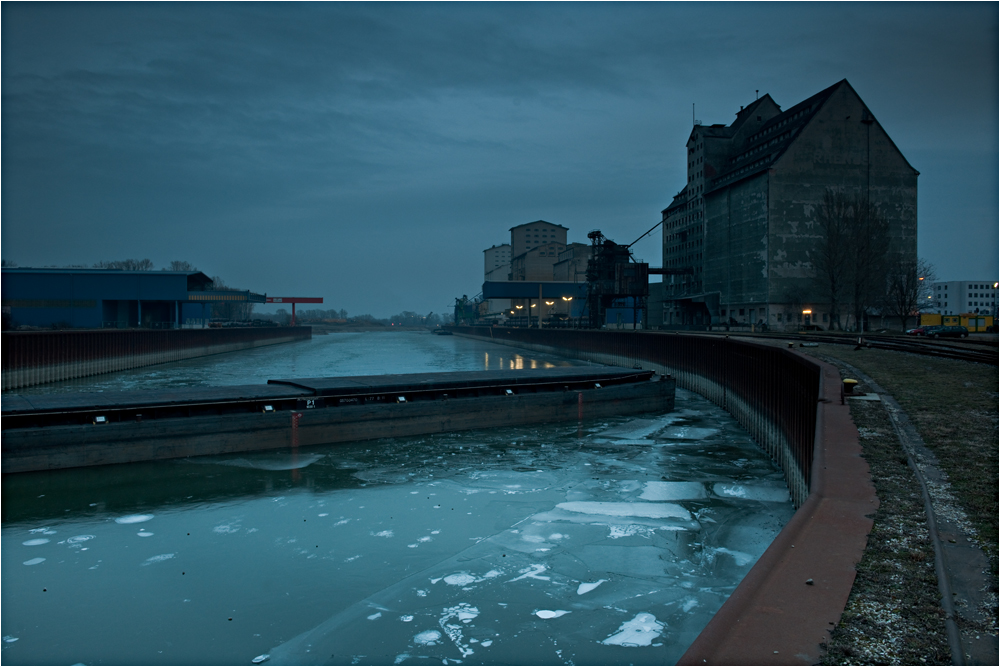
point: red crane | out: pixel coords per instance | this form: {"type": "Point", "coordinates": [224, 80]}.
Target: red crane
{"type": "Point", "coordinates": [294, 300]}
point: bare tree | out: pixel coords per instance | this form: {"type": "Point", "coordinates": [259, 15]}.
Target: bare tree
{"type": "Point", "coordinates": [834, 251]}
{"type": "Point", "coordinates": [178, 265]}
{"type": "Point", "coordinates": [908, 288]}
{"type": "Point", "coordinates": [126, 264]}
{"type": "Point", "coordinates": [239, 311]}
{"type": "Point", "coordinates": [869, 250]}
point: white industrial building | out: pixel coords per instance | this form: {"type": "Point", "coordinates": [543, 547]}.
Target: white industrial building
{"type": "Point", "coordinates": [958, 297]}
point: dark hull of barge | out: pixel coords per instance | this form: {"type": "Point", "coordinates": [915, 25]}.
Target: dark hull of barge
{"type": "Point", "coordinates": [68, 431]}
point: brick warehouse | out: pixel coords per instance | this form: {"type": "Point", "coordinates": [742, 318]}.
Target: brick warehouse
{"type": "Point", "coordinates": [745, 223]}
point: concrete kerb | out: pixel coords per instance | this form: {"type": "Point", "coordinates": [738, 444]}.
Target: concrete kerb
{"type": "Point", "coordinates": [788, 603]}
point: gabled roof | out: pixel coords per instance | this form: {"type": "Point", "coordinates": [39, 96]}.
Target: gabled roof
{"type": "Point", "coordinates": [538, 222]}
{"type": "Point", "coordinates": [771, 141]}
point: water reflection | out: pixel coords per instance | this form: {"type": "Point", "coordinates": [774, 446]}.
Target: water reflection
{"type": "Point", "coordinates": [339, 354]}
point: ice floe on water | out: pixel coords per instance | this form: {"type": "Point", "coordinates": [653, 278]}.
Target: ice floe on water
{"type": "Point", "coordinates": [260, 658]}
{"type": "Point", "coordinates": [647, 510]}
{"type": "Point", "coordinates": [34, 561]}
{"type": "Point", "coordinates": [157, 559]}
{"type": "Point", "coordinates": [427, 638]}
{"type": "Point", "coordinates": [585, 587]}
{"type": "Point", "coordinates": [673, 491]}
{"type": "Point", "coordinates": [616, 531]}
{"type": "Point", "coordinates": [740, 557]}
{"type": "Point", "coordinates": [465, 578]}
{"type": "Point", "coordinates": [463, 613]}
{"type": "Point", "coordinates": [264, 462]}
{"type": "Point", "coordinates": [688, 433]}
{"type": "Point", "coordinates": [533, 571]}
{"type": "Point", "coordinates": [635, 429]}
{"type": "Point", "coordinates": [669, 528]}
{"type": "Point", "coordinates": [35, 542]}
{"type": "Point", "coordinates": [640, 631]}
{"type": "Point", "coordinates": [767, 494]}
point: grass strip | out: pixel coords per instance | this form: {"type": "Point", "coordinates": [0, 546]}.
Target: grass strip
{"type": "Point", "coordinates": [893, 615]}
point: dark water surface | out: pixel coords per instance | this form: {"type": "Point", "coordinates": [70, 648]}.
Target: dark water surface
{"type": "Point", "coordinates": [607, 542]}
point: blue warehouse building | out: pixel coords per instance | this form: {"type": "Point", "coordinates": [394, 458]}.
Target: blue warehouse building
{"type": "Point", "coordinates": [111, 298]}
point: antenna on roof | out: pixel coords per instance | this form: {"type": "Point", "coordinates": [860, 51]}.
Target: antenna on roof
{"type": "Point", "coordinates": [693, 121]}
{"type": "Point", "coordinates": [757, 94]}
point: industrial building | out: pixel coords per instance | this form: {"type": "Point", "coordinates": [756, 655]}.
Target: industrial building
{"type": "Point", "coordinates": [112, 298]}
{"type": "Point", "coordinates": [537, 254]}
{"type": "Point", "coordinates": [744, 227]}
{"type": "Point", "coordinates": [957, 297]}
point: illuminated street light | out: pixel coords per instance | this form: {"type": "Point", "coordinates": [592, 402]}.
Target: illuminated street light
{"type": "Point", "coordinates": [549, 303]}
{"type": "Point", "coordinates": [519, 307]}
{"type": "Point", "coordinates": [807, 312]}
{"type": "Point", "coordinates": [569, 298]}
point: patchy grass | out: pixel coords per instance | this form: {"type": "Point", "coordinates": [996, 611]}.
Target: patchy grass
{"type": "Point", "coordinates": [893, 615]}
{"type": "Point", "coordinates": [954, 406]}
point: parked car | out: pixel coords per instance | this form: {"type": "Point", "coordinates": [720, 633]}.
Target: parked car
{"type": "Point", "coordinates": [946, 332]}
{"type": "Point", "coordinates": [918, 331]}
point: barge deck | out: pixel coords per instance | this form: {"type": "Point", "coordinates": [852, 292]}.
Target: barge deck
{"type": "Point", "coordinates": [54, 431]}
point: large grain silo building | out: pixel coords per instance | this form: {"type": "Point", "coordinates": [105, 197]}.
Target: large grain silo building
{"type": "Point", "coordinates": [744, 227]}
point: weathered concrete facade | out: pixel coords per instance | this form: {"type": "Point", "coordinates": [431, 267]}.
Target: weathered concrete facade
{"type": "Point", "coordinates": [754, 192]}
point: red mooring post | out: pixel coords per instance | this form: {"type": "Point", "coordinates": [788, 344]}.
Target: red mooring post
{"type": "Point", "coordinates": [293, 300]}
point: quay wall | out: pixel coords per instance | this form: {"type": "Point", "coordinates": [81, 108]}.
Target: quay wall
{"type": "Point", "coordinates": [37, 357]}
{"type": "Point", "coordinates": [771, 392]}
{"type": "Point", "coordinates": [792, 598]}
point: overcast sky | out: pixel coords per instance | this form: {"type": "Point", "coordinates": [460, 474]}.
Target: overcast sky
{"type": "Point", "coordinates": [368, 153]}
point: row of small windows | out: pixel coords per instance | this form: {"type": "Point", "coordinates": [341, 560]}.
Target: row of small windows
{"type": "Point", "coordinates": [783, 123]}
{"type": "Point", "coordinates": [749, 167]}
{"type": "Point", "coordinates": [763, 146]}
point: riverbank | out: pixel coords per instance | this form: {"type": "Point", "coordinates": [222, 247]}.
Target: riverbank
{"type": "Point", "coordinates": [894, 614]}
{"type": "Point", "coordinates": [39, 357]}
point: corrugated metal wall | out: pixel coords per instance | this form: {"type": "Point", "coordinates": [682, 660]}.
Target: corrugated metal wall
{"type": "Point", "coordinates": [35, 357]}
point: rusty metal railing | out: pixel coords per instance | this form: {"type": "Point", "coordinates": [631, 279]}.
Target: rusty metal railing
{"type": "Point", "coordinates": [771, 391]}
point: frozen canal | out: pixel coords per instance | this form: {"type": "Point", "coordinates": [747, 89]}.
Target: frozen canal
{"type": "Point", "coordinates": [607, 542]}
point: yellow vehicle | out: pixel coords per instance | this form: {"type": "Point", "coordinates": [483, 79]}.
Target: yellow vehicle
{"type": "Point", "coordinates": [974, 322]}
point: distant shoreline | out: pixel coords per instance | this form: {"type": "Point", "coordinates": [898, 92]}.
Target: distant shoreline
{"type": "Point", "coordinates": [354, 328]}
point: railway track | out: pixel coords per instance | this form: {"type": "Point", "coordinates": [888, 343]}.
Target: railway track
{"type": "Point", "coordinates": [984, 352]}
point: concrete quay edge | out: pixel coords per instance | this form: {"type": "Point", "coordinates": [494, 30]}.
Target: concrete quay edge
{"type": "Point", "coordinates": [774, 617]}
